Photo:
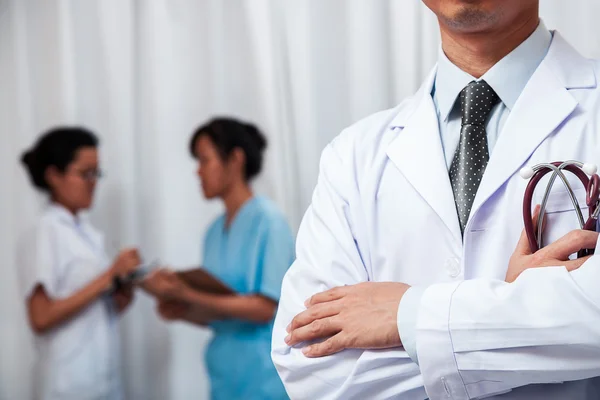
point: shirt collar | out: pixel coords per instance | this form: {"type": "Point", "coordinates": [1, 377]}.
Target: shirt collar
{"type": "Point", "coordinates": [64, 215]}
{"type": "Point", "coordinates": [508, 77]}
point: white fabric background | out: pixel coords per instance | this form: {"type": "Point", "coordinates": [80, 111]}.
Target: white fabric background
{"type": "Point", "coordinates": [144, 74]}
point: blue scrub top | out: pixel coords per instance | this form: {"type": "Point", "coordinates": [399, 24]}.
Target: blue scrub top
{"type": "Point", "coordinates": [251, 256]}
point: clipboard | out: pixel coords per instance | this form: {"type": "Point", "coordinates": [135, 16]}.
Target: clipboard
{"type": "Point", "coordinates": [203, 281]}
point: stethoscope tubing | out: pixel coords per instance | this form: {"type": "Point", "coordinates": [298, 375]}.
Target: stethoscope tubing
{"type": "Point", "coordinates": [592, 187]}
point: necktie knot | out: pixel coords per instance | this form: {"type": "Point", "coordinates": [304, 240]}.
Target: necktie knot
{"type": "Point", "coordinates": [477, 100]}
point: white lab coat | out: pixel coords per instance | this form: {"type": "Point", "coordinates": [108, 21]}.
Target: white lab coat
{"type": "Point", "coordinates": [78, 360]}
{"type": "Point", "coordinates": [383, 210]}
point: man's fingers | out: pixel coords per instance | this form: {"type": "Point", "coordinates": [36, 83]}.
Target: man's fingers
{"type": "Point", "coordinates": [331, 346]}
{"type": "Point", "coordinates": [571, 243]}
{"type": "Point", "coordinates": [319, 329]}
{"type": "Point", "coordinates": [523, 248]}
{"type": "Point", "coordinates": [323, 297]}
{"type": "Point", "coordinates": [575, 264]}
{"type": "Point", "coordinates": [314, 313]}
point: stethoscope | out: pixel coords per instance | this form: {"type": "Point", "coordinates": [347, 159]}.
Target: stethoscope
{"type": "Point", "coordinates": [591, 184]}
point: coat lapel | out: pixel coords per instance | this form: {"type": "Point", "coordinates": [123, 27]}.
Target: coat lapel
{"type": "Point", "coordinates": [417, 152]}
{"type": "Point", "coordinates": [543, 106]}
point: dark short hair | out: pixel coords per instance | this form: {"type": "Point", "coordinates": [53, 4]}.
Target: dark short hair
{"type": "Point", "coordinates": [55, 148]}
{"type": "Point", "coordinates": [228, 134]}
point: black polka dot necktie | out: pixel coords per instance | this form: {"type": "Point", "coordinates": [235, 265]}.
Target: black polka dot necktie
{"type": "Point", "coordinates": [477, 100]}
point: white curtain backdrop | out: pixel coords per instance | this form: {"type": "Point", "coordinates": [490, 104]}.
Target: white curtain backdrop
{"type": "Point", "coordinates": [144, 74]}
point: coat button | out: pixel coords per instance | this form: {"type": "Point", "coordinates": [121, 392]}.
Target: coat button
{"type": "Point", "coordinates": [453, 267]}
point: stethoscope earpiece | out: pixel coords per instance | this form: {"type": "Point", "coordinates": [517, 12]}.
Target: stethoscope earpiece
{"type": "Point", "coordinates": [589, 168]}
{"type": "Point", "coordinates": [526, 172]}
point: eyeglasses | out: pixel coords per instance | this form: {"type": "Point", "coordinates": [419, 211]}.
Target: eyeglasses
{"type": "Point", "coordinates": [89, 175]}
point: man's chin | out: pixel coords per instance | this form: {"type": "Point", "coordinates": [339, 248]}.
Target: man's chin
{"type": "Point", "coordinates": [472, 18]}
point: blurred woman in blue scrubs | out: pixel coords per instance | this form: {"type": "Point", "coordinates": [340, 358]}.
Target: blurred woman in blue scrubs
{"type": "Point", "coordinates": [249, 248]}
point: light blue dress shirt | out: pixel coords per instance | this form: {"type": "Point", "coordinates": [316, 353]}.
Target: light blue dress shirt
{"type": "Point", "coordinates": [508, 78]}
{"type": "Point", "coordinates": [251, 256]}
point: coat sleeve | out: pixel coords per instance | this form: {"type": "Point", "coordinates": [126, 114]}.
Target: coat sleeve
{"type": "Point", "coordinates": [328, 256]}
{"type": "Point", "coordinates": [479, 337]}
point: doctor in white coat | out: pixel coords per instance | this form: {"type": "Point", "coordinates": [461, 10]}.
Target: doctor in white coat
{"type": "Point", "coordinates": [66, 276]}
{"type": "Point", "coordinates": [409, 285]}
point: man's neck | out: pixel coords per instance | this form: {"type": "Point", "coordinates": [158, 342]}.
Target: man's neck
{"type": "Point", "coordinates": [476, 53]}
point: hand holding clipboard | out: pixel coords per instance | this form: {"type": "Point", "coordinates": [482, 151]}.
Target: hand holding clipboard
{"type": "Point", "coordinates": [169, 287]}
{"type": "Point", "coordinates": [165, 283]}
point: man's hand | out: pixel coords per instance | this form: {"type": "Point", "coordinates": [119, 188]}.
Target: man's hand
{"type": "Point", "coordinates": [554, 255]}
{"type": "Point", "coordinates": [362, 316]}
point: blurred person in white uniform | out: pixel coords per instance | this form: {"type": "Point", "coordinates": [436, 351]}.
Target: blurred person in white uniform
{"type": "Point", "coordinates": [67, 278]}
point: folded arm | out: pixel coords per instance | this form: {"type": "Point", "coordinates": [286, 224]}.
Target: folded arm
{"type": "Point", "coordinates": [481, 337]}
{"type": "Point", "coordinates": [328, 256]}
